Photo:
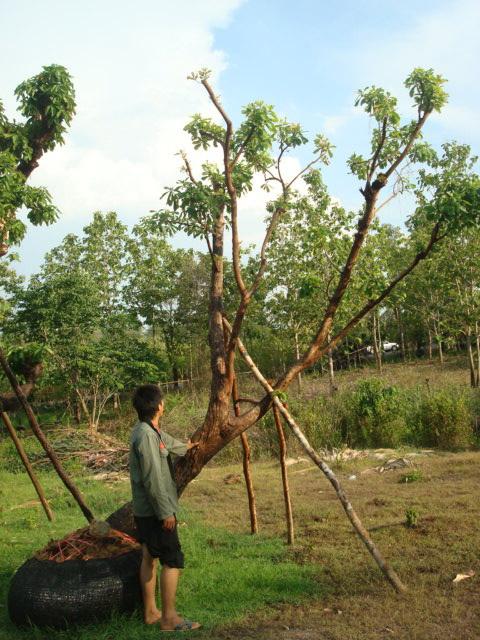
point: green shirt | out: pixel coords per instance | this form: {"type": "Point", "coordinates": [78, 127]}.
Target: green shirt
{"type": "Point", "coordinates": [154, 492]}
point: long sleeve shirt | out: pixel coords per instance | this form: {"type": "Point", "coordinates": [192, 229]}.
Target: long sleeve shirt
{"type": "Point", "coordinates": [154, 492]}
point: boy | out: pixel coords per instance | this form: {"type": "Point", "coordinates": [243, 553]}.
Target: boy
{"type": "Point", "coordinates": [155, 504]}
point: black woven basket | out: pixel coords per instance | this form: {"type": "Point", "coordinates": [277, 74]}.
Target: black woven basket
{"type": "Point", "coordinates": [51, 594]}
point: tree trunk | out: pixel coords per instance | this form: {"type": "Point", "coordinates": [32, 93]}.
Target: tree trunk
{"type": "Point", "coordinates": [84, 407]}
{"type": "Point", "coordinates": [286, 490]}
{"type": "Point", "coordinates": [477, 340]}
{"type": "Point", "coordinates": [297, 354]}
{"type": "Point", "coordinates": [430, 346]}
{"type": "Point", "coordinates": [376, 347]}
{"type": "Point", "coordinates": [27, 465]}
{"type": "Point", "coordinates": [439, 342]}
{"type": "Point", "coordinates": [401, 333]}
{"type": "Point", "coordinates": [77, 413]}
{"type": "Point", "coordinates": [331, 371]}
{"type": "Point", "coordinates": [176, 376]}
{"type": "Point", "coordinates": [214, 433]}
{"type": "Point", "coordinates": [471, 361]}
{"type": "Point", "coordinates": [440, 350]}
{"type": "Point", "coordinates": [246, 465]}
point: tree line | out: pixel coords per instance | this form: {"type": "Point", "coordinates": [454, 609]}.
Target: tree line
{"type": "Point", "coordinates": [114, 307]}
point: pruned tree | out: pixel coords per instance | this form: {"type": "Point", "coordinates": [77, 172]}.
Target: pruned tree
{"type": "Point", "coordinates": [205, 205]}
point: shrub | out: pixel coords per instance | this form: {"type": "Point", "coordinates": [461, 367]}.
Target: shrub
{"type": "Point", "coordinates": [444, 420]}
{"type": "Point", "coordinates": [412, 476]}
{"type": "Point", "coordinates": [411, 518]}
{"type": "Point", "coordinates": [320, 421]}
{"type": "Point", "coordinates": [376, 416]}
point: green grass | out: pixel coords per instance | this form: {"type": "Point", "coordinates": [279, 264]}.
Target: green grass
{"type": "Point", "coordinates": [227, 575]}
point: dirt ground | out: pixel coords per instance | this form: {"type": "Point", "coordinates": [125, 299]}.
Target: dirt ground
{"type": "Point", "coordinates": [356, 602]}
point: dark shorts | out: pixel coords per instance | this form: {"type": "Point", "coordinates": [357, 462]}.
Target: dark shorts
{"type": "Point", "coordinates": [161, 543]}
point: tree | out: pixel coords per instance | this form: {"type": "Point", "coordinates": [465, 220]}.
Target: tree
{"type": "Point", "coordinates": [168, 290]}
{"type": "Point", "coordinates": [305, 254]}
{"type": "Point", "coordinates": [47, 104]}
{"type": "Point", "coordinates": [203, 206]}
{"type": "Point", "coordinates": [95, 346]}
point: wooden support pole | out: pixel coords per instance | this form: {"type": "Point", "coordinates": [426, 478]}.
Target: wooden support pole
{"type": "Point", "coordinates": [26, 463]}
{"type": "Point", "coordinates": [362, 532]}
{"type": "Point", "coordinates": [283, 466]}
{"type": "Point", "coordinates": [43, 440]}
{"type": "Point", "coordinates": [246, 465]}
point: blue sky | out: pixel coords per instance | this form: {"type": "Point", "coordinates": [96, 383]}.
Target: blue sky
{"type": "Point", "coordinates": [130, 62]}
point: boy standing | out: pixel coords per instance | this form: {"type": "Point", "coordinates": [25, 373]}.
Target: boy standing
{"type": "Point", "coordinates": [155, 504]}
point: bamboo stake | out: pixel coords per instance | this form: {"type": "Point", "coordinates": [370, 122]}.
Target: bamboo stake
{"type": "Point", "coordinates": [362, 532]}
{"type": "Point", "coordinates": [246, 465]}
{"type": "Point", "coordinates": [283, 466]}
{"type": "Point", "coordinates": [43, 440]}
{"type": "Point", "coordinates": [26, 463]}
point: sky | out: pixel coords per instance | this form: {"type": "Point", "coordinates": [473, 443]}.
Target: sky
{"type": "Point", "coordinates": [130, 61]}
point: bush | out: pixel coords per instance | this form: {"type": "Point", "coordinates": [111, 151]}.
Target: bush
{"type": "Point", "coordinates": [375, 415]}
{"type": "Point", "coordinates": [444, 420]}
{"type": "Point", "coordinates": [319, 419]}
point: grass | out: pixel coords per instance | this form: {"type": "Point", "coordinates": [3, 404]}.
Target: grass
{"type": "Point", "coordinates": [227, 576]}
{"type": "Point", "coordinates": [444, 541]}
{"type": "Point", "coordinates": [325, 586]}
{"type": "Point", "coordinates": [243, 587]}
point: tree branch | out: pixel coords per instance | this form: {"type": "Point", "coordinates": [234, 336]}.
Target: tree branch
{"type": "Point", "coordinates": [242, 148]}
{"type": "Point", "coordinates": [300, 173]}
{"type": "Point", "coordinates": [383, 136]}
{"type": "Point", "coordinates": [421, 121]}
{"type": "Point", "coordinates": [421, 255]}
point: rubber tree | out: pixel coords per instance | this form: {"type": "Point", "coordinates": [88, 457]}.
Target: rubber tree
{"type": "Point", "coordinates": [205, 204]}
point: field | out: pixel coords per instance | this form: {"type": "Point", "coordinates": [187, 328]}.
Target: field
{"type": "Point", "coordinates": [324, 586]}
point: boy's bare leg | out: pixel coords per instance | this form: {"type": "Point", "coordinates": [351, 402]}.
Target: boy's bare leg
{"type": "Point", "coordinates": [168, 588]}
{"type": "Point", "coordinates": [148, 582]}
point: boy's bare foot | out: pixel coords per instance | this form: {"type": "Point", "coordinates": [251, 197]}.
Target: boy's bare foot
{"type": "Point", "coordinates": [153, 617]}
{"type": "Point", "coordinates": [178, 624]}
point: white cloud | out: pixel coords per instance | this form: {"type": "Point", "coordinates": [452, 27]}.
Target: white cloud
{"type": "Point", "coordinates": [444, 38]}
{"type": "Point", "coordinates": [334, 123]}
{"type": "Point", "coordinates": [129, 62]}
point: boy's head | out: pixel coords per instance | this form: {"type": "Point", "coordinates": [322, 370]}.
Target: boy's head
{"type": "Point", "coordinates": [148, 401]}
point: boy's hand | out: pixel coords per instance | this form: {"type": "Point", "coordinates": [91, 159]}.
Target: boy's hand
{"type": "Point", "coordinates": [191, 445]}
{"type": "Point", "coordinates": [169, 523]}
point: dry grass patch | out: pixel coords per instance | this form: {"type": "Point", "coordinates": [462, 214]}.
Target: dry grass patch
{"type": "Point", "coordinates": [359, 604]}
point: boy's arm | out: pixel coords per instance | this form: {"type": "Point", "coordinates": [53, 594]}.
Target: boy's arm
{"type": "Point", "coordinates": [152, 476]}
{"type": "Point", "coordinates": [175, 446]}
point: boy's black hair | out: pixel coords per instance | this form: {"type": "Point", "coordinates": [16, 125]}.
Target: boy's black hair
{"type": "Point", "coordinates": [146, 399]}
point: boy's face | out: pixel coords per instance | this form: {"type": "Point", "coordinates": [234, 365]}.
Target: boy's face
{"type": "Point", "coordinates": [161, 408]}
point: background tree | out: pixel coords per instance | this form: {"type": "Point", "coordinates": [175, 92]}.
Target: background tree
{"type": "Point", "coordinates": [47, 105]}
{"type": "Point", "coordinates": [168, 290]}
